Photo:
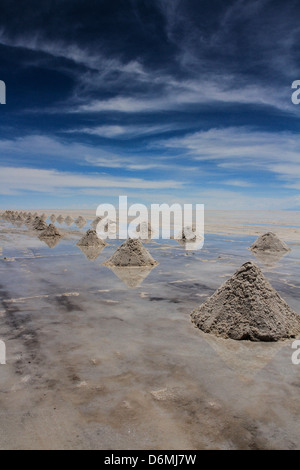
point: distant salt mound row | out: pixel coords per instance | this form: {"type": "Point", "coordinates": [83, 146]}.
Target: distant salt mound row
{"type": "Point", "coordinates": [145, 231]}
{"type": "Point", "coordinates": [247, 307]}
{"type": "Point", "coordinates": [60, 219]}
{"type": "Point", "coordinates": [188, 233]}
{"type": "Point", "coordinates": [96, 222]}
{"type": "Point", "coordinates": [91, 239]}
{"type": "Point", "coordinates": [53, 218]}
{"type": "Point", "coordinates": [269, 242]}
{"type": "Point", "coordinates": [131, 253]}
{"type": "Point", "coordinates": [69, 221]}
{"type": "Point", "coordinates": [29, 220]}
{"type": "Point", "coordinates": [80, 222]}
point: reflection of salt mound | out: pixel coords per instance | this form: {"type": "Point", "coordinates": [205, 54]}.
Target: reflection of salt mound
{"type": "Point", "coordinates": [53, 218]}
{"type": "Point", "coordinates": [69, 221]}
{"type": "Point", "coordinates": [91, 239]}
{"type": "Point", "coordinates": [51, 236]}
{"type": "Point", "coordinates": [269, 259]}
{"type": "Point", "coordinates": [60, 219]}
{"type": "Point", "coordinates": [245, 358]}
{"type": "Point", "coordinates": [132, 276]}
{"type": "Point", "coordinates": [131, 253]}
{"type": "Point", "coordinates": [51, 242]}
{"type": "Point", "coordinates": [247, 307]}
{"type": "Point", "coordinates": [91, 252]}
{"type": "Point", "coordinates": [269, 242]}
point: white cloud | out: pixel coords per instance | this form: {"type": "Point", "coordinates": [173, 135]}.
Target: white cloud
{"type": "Point", "coordinates": [161, 90]}
{"type": "Point", "coordinates": [207, 90]}
{"type": "Point", "coordinates": [238, 146]}
{"type": "Point", "coordinates": [241, 150]}
{"type": "Point", "coordinates": [125, 131]}
{"type": "Point", "coordinates": [16, 180]}
{"type": "Point", "coordinates": [238, 183]}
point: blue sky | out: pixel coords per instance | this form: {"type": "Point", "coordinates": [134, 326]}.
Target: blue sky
{"type": "Point", "coordinates": [162, 101]}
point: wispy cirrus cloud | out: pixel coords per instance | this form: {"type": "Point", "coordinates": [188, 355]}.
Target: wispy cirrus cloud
{"type": "Point", "coordinates": [244, 152]}
{"type": "Point", "coordinates": [49, 150]}
{"type": "Point", "coordinates": [126, 131]}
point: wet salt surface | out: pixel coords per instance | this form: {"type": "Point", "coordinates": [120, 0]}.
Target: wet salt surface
{"type": "Point", "coordinates": [94, 364]}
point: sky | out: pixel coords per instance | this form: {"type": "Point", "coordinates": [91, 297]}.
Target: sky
{"type": "Point", "coordinates": [164, 101]}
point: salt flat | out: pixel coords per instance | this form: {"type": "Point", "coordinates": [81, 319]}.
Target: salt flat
{"type": "Point", "coordinates": [95, 364]}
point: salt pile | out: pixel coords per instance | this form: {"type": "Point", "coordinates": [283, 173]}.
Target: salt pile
{"type": "Point", "coordinates": [189, 238]}
{"type": "Point", "coordinates": [247, 307]}
{"type": "Point", "coordinates": [91, 246]}
{"type": "Point", "coordinates": [51, 236]}
{"type": "Point", "coordinates": [80, 222]}
{"type": "Point", "coordinates": [60, 219]}
{"type": "Point", "coordinates": [39, 224]}
{"type": "Point", "coordinates": [131, 253]}
{"type": "Point", "coordinates": [53, 218]}
{"type": "Point", "coordinates": [29, 220]}
{"type": "Point", "coordinates": [145, 231]}
{"type": "Point", "coordinates": [269, 242]}
{"type": "Point", "coordinates": [91, 239]}
{"type": "Point", "coordinates": [188, 233]}
{"type": "Point", "coordinates": [69, 221]}
{"type": "Point", "coordinates": [51, 232]}
{"type": "Point", "coordinates": [96, 222]}
{"type": "Point", "coordinates": [19, 219]}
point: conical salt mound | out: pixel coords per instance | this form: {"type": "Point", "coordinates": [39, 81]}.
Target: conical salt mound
{"type": "Point", "coordinates": [53, 218]}
{"type": "Point", "coordinates": [91, 239]}
{"type": "Point", "coordinates": [39, 225]}
{"type": "Point", "coordinates": [29, 220]}
{"type": "Point", "coordinates": [80, 222]}
{"type": "Point", "coordinates": [269, 242]}
{"type": "Point", "coordinates": [188, 233]}
{"type": "Point", "coordinates": [247, 307]}
{"type": "Point", "coordinates": [131, 253]}
{"type": "Point", "coordinates": [96, 222]}
{"type": "Point", "coordinates": [145, 230]}
{"type": "Point", "coordinates": [69, 221]}
{"type": "Point", "coordinates": [51, 232]}
{"type": "Point", "coordinates": [60, 219]}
